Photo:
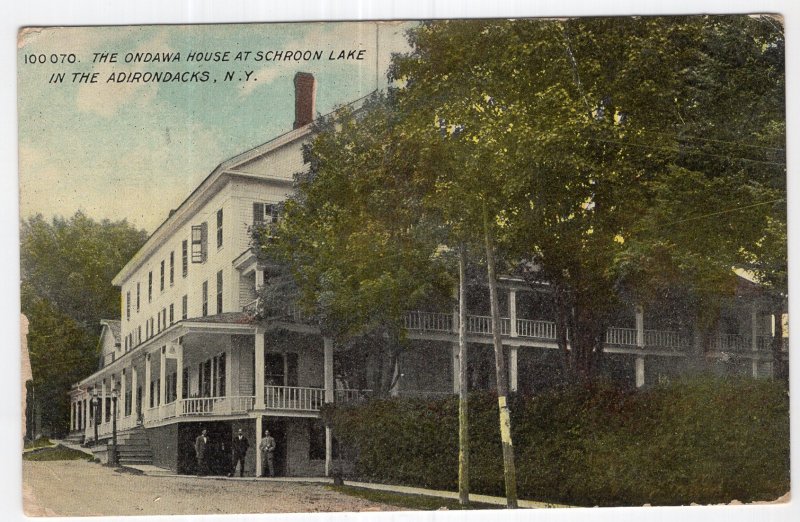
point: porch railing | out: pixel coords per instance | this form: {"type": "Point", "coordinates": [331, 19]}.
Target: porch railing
{"type": "Point", "coordinates": [216, 405]}
{"type": "Point", "coordinates": [536, 329]}
{"type": "Point", "coordinates": [295, 398]}
{"type": "Point", "coordinates": [621, 336]}
{"type": "Point", "coordinates": [350, 395]}
{"type": "Point", "coordinates": [731, 343]}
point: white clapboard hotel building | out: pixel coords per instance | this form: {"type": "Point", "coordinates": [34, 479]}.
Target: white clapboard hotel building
{"type": "Point", "coordinates": [186, 354]}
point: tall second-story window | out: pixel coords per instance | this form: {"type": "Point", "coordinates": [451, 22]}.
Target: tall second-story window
{"type": "Point", "coordinates": [185, 307]}
{"type": "Point", "coordinates": [199, 243]}
{"type": "Point", "coordinates": [205, 298]}
{"type": "Point", "coordinates": [171, 268]}
{"type": "Point", "coordinates": [138, 294]}
{"type": "Point", "coordinates": [139, 335]}
{"type": "Point", "coordinates": [219, 292]}
{"type": "Point", "coordinates": [162, 275]}
{"type": "Point", "coordinates": [128, 306]}
{"type": "Point", "coordinates": [185, 257]}
{"type": "Point", "coordinates": [159, 321]}
{"type": "Point", "coordinates": [219, 228]}
{"type": "Point", "coordinates": [150, 286]}
{"type": "Point", "coordinates": [146, 329]}
{"type": "Point", "coordinates": [171, 313]}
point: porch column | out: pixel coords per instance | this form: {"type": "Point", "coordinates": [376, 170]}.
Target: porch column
{"type": "Point", "coordinates": [178, 378]}
{"type": "Point", "coordinates": [640, 381]}
{"type": "Point", "coordinates": [512, 311]}
{"type": "Point", "coordinates": [148, 370]}
{"type": "Point", "coordinates": [72, 415]}
{"type": "Point", "coordinates": [328, 377]}
{"type": "Point", "coordinates": [162, 376]}
{"type": "Point", "coordinates": [103, 403]}
{"type": "Point", "coordinates": [134, 389]}
{"type": "Point", "coordinates": [754, 339]}
{"type": "Point", "coordinates": [228, 370]}
{"type": "Point", "coordinates": [456, 367]}
{"type": "Point", "coordinates": [123, 393]}
{"type": "Point", "coordinates": [259, 436]}
{"type": "Point", "coordinates": [512, 368]}
{"type": "Point", "coordinates": [259, 278]}
{"type": "Point", "coordinates": [259, 364]}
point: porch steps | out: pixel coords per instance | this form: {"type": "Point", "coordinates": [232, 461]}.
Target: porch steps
{"type": "Point", "coordinates": [133, 447]}
{"type": "Point", "coordinates": [74, 437]}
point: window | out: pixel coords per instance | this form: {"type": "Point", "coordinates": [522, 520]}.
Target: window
{"type": "Point", "coordinates": [220, 375]}
{"type": "Point", "coordinates": [219, 228]}
{"type": "Point", "coordinates": [138, 288]}
{"type": "Point", "coordinates": [171, 268]}
{"type": "Point", "coordinates": [185, 307]}
{"type": "Point", "coordinates": [128, 306]}
{"type": "Point", "coordinates": [162, 275]}
{"type": "Point", "coordinates": [199, 243]}
{"type": "Point", "coordinates": [147, 329]}
{"type": "Point", "coordinates": [264, 214]}
{"type": "Point", "coordinates": [205, 298]}
{"type": "Point", "coordinates": [185, 257]}
{"type": "Point", "coordinates": [171, 313]}
{"type": "Point", "coordinates": [219, 292]}
{"type": "Point", "coordinates": [164, 317]}
{"type": "Point", "coordinates": [139, 335]}
{"type": "Point", "coordinates": [159, 322]}
{"type": "Point", "coordinates": [152, 327]}
{"type": "Point", "coordinates": [185, 391]}
{"type": "Point", "coordinates": [150, 287]}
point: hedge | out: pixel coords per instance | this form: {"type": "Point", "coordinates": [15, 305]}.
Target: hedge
{"type": "Point", "coordinates": [704, 440]}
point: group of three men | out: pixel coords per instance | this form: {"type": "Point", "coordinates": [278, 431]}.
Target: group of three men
{"type": "Point", "coordinates": [240, 447]}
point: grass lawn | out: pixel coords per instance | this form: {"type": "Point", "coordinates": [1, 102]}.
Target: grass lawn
{"type": "Point", "coordinates": [410, 502]}
{"type": "Point", "coordinates": [41, 442]}
{"type": "Point", "coordinates": [55, 453]}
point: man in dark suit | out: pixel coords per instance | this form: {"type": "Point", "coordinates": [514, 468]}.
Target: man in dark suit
{"type": "Point", "coordinates": [200, 448]}
{"type": "Point", "coordinates": [240, 445]}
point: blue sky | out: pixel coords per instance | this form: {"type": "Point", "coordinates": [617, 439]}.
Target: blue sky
{"type": "Point", "coordinates": [135, 151]}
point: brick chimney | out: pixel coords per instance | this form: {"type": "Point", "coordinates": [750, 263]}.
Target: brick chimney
{"type": "Point", "coordinates": [305, 95]}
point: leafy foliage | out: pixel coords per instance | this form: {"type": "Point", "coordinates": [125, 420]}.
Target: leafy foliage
{"type": "Point", "coordinates": [704, 440]}
{"type": "Point", "coordinates": [592, 141]}
{"type": "Point", "coordinates": [67, 268]}
{"type": "Point", "coordinates": [351, 238]}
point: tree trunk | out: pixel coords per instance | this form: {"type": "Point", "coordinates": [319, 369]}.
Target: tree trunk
{"type": "Point", "coordinates": [463, 424]}
{"type": "Point", "coordinates": [500, 368]}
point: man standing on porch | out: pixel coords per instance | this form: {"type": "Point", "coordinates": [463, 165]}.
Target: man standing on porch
{"type": "Point", "coordinates": [240, 445]}
{"type": "Point", "coordinates": [200, 445]}
{"type": "Point", "coordinates": [268, 452]}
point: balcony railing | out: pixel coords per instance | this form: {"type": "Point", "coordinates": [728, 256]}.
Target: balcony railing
{"type": "Point", "coordinates": [294, 398]}
{"type": "Point", "coordinates": [621, 336]}
{"type": "Point", "coordinates": [731, 343]}
{"type": "Point", "coordinates": [216, 405]}
{"type": "Point", "coordinates": [536, 329]}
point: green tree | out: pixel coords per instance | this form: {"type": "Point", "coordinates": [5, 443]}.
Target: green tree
{"type": "Point", "coordinates": [590, 138]}
{"type": "Point", "coordinates": [67, 266]}
{"type": "Point", "coordinates": [352, 238]}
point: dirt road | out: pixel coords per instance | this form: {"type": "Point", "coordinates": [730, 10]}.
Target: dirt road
{"type": "Point", "coordinates": [76, 488]}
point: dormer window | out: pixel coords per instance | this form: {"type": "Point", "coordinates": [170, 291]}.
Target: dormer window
{"type": "Point", "coordinates": [199, 243]}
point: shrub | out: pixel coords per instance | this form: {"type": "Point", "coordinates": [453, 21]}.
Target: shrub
{"type": "Point", "coordinates": [704, 440]}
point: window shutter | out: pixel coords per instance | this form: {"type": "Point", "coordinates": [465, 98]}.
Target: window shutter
{"type": "Point", "coordinates": [258, 214]}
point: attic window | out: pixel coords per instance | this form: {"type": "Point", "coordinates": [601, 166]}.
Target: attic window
{"type": "Point", "coordinates": [199, 243]}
